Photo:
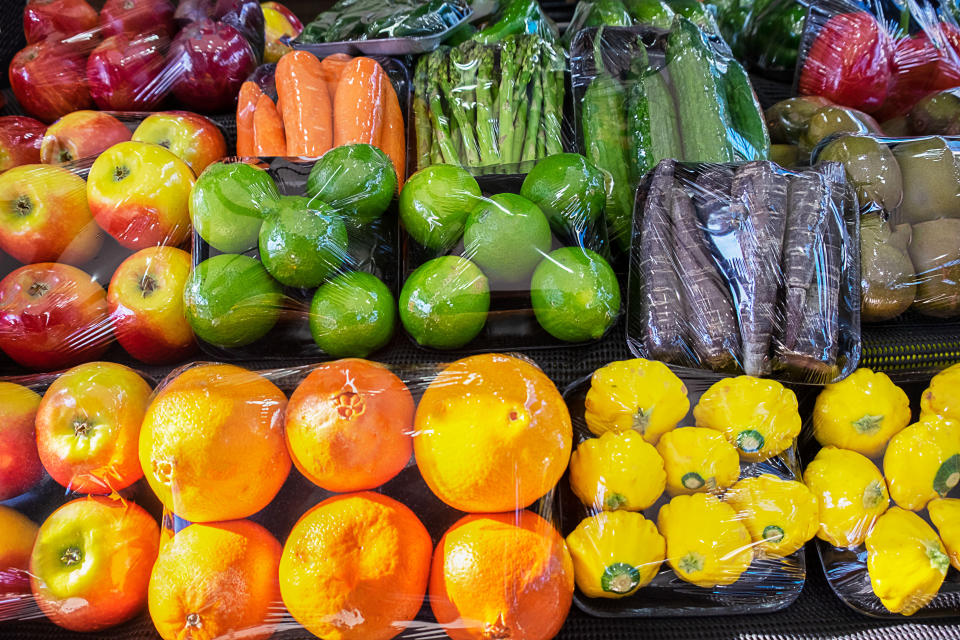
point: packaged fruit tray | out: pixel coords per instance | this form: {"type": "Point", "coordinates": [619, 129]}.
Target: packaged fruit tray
{"type": "Point", "coordinates": [747, 268]}
{"type": "Point", "coordinates": [665, 519]}
{"type": "Point", "coordinates": [483, 266]}
{"type": "Point", "coordinates": [884, 462]}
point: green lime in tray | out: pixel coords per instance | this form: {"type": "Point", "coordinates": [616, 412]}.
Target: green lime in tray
{"type": "Point", "coordinates": [357, 180]}
{"type": "Point", "coordinates": [569, 190]}
{"type": "Point", "coordinates": [227, 205]}
{"type": "Point", "coordinates": [352, 315]}
{"type": "Point", "coordinates": [435, 203]}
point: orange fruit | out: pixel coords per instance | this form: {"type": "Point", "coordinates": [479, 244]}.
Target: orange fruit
{"type": "Point", "coordinates": [493, 434]}
{"type": "Point", "coordinates": [90, 565]}
{"type": "Point", "coordinates": [211, 443]}
{"type": "Point", "coordinates": [19, 532]}
{"type": "Point", "coordinates": [215, 580]}
{"type": "Point", "coordinates": [349, 425]}
{"type": "Point", "coordinates": [355, 567]}
{"type": "Point", "coordinates": [502, 575]}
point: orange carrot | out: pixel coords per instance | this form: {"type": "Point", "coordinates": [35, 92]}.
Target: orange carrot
{"type": "Point", "coordinates": [393, 142]}
{"type": "Point", "coordinates": [249, 94]}
{"type": "Point", "coordinates": [332, 67]}
{"type": "Point", "coordinates": [305, 105]}
{"type": "Point", "coordinates": [358, 103]}
{"type": "Point", "coordinates": [268, 138]}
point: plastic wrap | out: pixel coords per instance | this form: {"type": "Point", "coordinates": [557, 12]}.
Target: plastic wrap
{"type": "Point", "coordinates": [137, 56]}
{"type": "Point", "coordinates": [507, 261]}
{"type": "Point", "coordinates": [747, 268]}
{"type": "Point", "coordinates": [643, 94]}
{"type": "Point", "coordinates": [669, 512]}
{"type": "Point", "coordinates": [494, 106]}
{"type": "Point", "coordinates": [885, 479]}
{"type": "Point", "coordinates": [93, 251]}
{"type": "Point", "coordinates": [909, 193]}
{"type": "Point", "coordinates": [359, 470]}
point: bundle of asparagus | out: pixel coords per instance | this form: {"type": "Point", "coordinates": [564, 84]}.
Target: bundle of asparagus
{"type": "Point", "coordinates": [489, 107]}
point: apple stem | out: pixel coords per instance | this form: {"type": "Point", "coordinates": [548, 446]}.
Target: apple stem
{"type": "Point", "coordinates": [193, 620]}
{"type": "Point", "coordinates": [23, 206]}
{"type": "Point", "coordinates": [119, 173]}
{"type": "Point", "coordinates": [148, 285]}
{"type": "Point", "coordinates": [37, 289]}
{"type": "Point", "coordinates": [71, 556]}
{"type": "Point", "coordinates": [80, 427]}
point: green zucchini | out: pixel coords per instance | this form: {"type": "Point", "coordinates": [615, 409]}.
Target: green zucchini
{"type": "Point", "coordinates": [704, 121]}
{"type": "Point", "coordinates": [664, 128]}
{"type": "Point", "coordinates": [745, 112]}
{"type": "Point", "coordinates": [638, 117]}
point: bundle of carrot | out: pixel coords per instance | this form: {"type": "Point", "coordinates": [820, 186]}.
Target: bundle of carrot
{"type": "Point", "coordinates": [322, 104]}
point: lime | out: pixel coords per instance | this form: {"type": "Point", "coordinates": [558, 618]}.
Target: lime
{"type": "Point", "coordinates": [507, 236]}
{"type": "Point", "coordinates": [575, 294]}
{"type": "Point", "coordinates": [352, 315]}
{"type": "Point", "coordinates": [569, 190]}
{"type": "Point", "coordinates": [444, 303]}
{"type": "Point", "coordinates": [358, 180]}
{"type": "Point", "coordinates": [227, 205]}
{"type": "Point", "coordinates": [230, 300]}
{"type": "Point", "coordinates": [301, 243]}
{"type": "Point", "coordinates": [435, 203]}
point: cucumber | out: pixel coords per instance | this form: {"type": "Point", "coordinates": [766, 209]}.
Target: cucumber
{"type": "Point", "coordinates": [664, 128]}
{"type": "Point", "coordinates": [639, 115]}
{"type": "Point", "coordinates": [745, 112]}
{"type": "Point", "coordinates": [704, 121]}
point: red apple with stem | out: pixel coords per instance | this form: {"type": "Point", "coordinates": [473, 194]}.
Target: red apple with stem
{"type": "Point", "coordinates": [212, 60]}
{"type": "Point", "coordinates": [20, 467]}
{"type": "Point", "coordinates": [136, 16]}
{"type": "Point", "coordinates": [124, 72]}
{"type": "Point", "coordinates": [20, 140]}
{"type": "Point", "coordinates": [146, 303]}
{"type": "Point", "coordinates": [44, 216]}
{"type": "Point", "coordinates": [42, 18]}
{"type": "Point", "coordinates": [49, 79]}
{"type": "Point", "coordinates": [191, 137]}
{"type": "Point", "coordinates": [53, 316]}
{"type": "Point", "coordinates": [81, 134]}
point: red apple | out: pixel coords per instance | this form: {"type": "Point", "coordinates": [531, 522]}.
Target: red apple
{"type": "Point", "coordinates": [81, 134]}
{"type": "Point", "coordinates": [20, 139]}
{"type": "Point", "coordinates": [146, 304]}
{"type": "Point", "coordinates": [19, 534]}
{"type": "Point", "coordinates": [49, 79]}
{"type": "Point", "coordinates": [125, 72]}
{"type": "Point", "coordinates": [136, 16]}
{"type": "Point", "coordinates": [53, 316]}
{"type": "Point", "coordinates": [138, 193]}
{"type": "Point", "coordinates": [20, 467]}
{"type": "Point", "coordinates": [278, 22]}
{"type": "Point", "coordinates": [44, 216]}
{"type": "Point", "coordinates": [42, 18]}
{"type": "Point", "coordinates": [191, 137]}
{"type": "Point", "coordinates": [212, 60]}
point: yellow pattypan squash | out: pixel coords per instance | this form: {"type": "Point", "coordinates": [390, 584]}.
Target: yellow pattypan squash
{"type": "Point", "coordinates": [698, 460]}
{"type": "Point", "coordinates": [942, 397]}
{"type": "Point", "coordinates": [851, 494]}
{"type": "Point", "coordinates": [615, 553]}
{"type": "Point", "coordinates": [922, 462]}
{"type": "Point", "coordinates": [860, 413]}
{"type": "Point", "coordinates": [617, 471]}
{"type": "Point", "coordinates": [707, 545]}
{"type": "Point", "coordinates": [758, 417]}
{"type": "Point", "coordinates": [781, 515]}
{"type": "Point", "coordinates": [945, 514]}
{"type": "Point", "coordinates": [639, 395]}
{"type": "Point", "coordinates": [905, 560]}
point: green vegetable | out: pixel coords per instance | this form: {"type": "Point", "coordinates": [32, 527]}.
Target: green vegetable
{"type": "Point", "coordinates": [421, 113]}
{"type": "Point", "coordinates": [697, 13]}
{"type": "Point", "coordinates": [664, 128]}
{"type": "Point", "coordinates": [518, 17]}
{"type": "Point", "coordinates": [654, 13]}
{"type": "Point", "coordinates": [745, 112]}
{"type": "Point", "coordinates": [638, 117]}
{"type": "Point", "coordinates": [773, 34]}
{"type": "Point", "coordinates": [369, 19]}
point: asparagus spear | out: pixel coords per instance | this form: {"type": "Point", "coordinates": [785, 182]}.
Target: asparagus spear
{"type": "Point", "coordinates": [486, 105]}
{"type": "Point", "coordinates": [508, 71]}
{"type": "Point", "coordinates": [529, 151]}
{"type": "Point", "coordinates": [438, 119]}
{"type": "Point", "coordinates": [456, 85]}
{"type": "Point", "coordinates": [553, 102]}
{"type": "Point", "coordinates": [528, 64]}
{"type": "Point", "coordinates": [421, 114]}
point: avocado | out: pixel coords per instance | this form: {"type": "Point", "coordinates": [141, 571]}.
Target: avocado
{"type": "Point", "coordinates": [886, 272]}
{"type": "Point", "coordinates": [870, 167]}
{"type": "Point", "coordinates": [931, 180]}
{"type": "Point", "coordinates": [787, 120]}
{"type": "Point", "coordinates": [935, 252]}
{"type": "Point", "coordinates": [938, 114]}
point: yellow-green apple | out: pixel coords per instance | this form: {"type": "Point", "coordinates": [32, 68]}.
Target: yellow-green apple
{"type": "Point", "coordinates": [278, 21]}
{"type": "Point", "coordinates": [191, 137]}
{"type": "Point", "coordinates": [136, 16]}
{"type": "Point", "coordinates": [124, 72]}
{"type": "Point", "coordinates": [20, 139]}
{"type": "Point", "coordinates": [44, 216]}
{"type": "Point", "coordinates": [88, 427]}
{"type": "Point", "coordinates": [53, 316]}
{"type": "Point", "coordinates": [90, 566]}
{"type": "Point", "coordinates": [42, 18]}
{"type": "Point", "coordinates": [146, 303]}
{"type": "Point", "coordinates": [81, 134]}
{"type": "Point", "coordinates": [49, 79]}
{"type": "Point", "coordinates": [138, 193]}
{"type": "Point", "coordinates": [19, 534]}
{"type": "Point", "coordinates": [20, 467]}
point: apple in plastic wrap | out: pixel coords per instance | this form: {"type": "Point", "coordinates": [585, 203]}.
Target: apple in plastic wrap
{"type": "Point", "coordinates": [44, 216]}
{"type": "Point", "coordinates": [278, 22]}
{"type": "Point", "coordinates": [20, 467]}
{"type": "Point", "coordinates": [42, 18]}
{"type": "Point", "coordinates": [81, 134]}
{"type": "Point", "coordinates": [191, 137]}
{"type": "Point", "coordinates": [146, 303]}
{"type": "Point", "coordinates": [53, 316]}
{"type": "Point", "coordinates": [49, 79]}
{"type": "Point", "coordinates": [19, 534]}
{"type": "Point", "coordinates": [138, 193]}
{"type": "Point", "coordinates": [125, 72]}
{"type": "Point", "coordinates": [136, 16]}
{"type": "Point", "coordinates": [20, 139]}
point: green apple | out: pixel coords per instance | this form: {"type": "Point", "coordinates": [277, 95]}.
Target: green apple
{"type": "Point", "coordinates": [228, 203]}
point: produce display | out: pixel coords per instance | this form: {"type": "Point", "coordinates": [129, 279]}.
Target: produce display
{"type": "Point", "coordinates": [746, 268]}
{"type": "Point", "coordinates": [662, 515]}
{"type": "Point", "coordinates": [368, 20]}
{"type": "Point", "coordinates": [884, 480]}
